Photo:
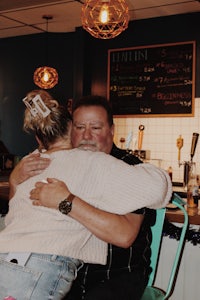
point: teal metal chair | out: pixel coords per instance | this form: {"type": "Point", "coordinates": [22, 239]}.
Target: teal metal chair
{"type": "Point", "coordinates": [151, 292]}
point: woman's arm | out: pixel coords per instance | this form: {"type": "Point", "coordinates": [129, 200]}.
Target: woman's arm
{"type": "Point", "coordinates": [29, 166]}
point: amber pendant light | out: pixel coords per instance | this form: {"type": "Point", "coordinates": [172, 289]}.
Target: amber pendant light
{"type": "Point", "coordinates": [46, 77]}
{"type": "Point", "coordinates": [105, 19]}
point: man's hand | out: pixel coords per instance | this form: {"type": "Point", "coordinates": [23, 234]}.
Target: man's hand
{"type": "Point", "coordinates": [29, 166]}
{"type": "Point", "coordinates": [49, 194]}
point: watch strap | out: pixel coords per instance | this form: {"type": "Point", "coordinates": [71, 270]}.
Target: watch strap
{"type": "Point", "coordinates": [71, 197]}
{"type": "Point", "coordinates": [65, 206]}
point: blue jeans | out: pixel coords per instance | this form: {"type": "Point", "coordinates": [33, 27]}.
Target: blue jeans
{"type": "Point", "coordinates": [44, 277]}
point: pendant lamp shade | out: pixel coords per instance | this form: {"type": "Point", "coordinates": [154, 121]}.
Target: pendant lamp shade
{"type": "Point", "coordinates": [46, 77]}
{"type": "Point", "coordinates": [105, 19]}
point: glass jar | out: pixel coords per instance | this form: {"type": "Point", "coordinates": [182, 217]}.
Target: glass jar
{"type": "Point", "coordinates": [192, 187]}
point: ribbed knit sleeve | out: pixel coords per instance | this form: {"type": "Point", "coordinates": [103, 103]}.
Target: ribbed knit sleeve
{"type": "Point", "coordinates": [127, 188]}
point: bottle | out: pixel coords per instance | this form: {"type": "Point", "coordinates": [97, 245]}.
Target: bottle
{"type": "Point", "coordinates": [192, 188]}
{"type": "Point", "coordinates": [187, 167]}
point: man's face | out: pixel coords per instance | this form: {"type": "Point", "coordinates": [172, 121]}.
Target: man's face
{"type": "Point", "coordinates": [91, 130]}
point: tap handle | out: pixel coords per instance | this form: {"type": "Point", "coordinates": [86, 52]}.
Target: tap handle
{"type": "Point", "coordinates": [195, 137]}
{"type": "Point", "coordinates": [179, 144]}
{"type": "Point", "coordinates": [140, 136]}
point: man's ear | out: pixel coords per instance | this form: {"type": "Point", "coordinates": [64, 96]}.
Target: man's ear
{"type": "Point", "coordinates": [39, 142]}
{"type": "Point", "coordinates": [113, 129]}
{"type": "Point", "coordinates": [69, 128]}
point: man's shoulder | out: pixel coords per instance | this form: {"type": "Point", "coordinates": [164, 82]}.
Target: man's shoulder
{"type": "Point", "coordinates": [125, 155]}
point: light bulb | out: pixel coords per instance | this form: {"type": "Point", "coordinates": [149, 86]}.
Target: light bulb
{"type": "Point", "coordinates": [105, 19]}
{"type": "Point", "coordinates": [46, 76]}
{"type": "Point", "coordinates": [104, 14]}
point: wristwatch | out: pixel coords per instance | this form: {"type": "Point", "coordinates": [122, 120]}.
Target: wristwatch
{"type": "Point", "coordinates": [65, 206]}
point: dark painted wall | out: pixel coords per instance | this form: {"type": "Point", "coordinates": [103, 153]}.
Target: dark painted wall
{"type": "Point", "coordinates": [19, 57]}
{"type": "Point", "coordinates": [141, 33]}
{"type": "Point", "coordinates": [81, 62]}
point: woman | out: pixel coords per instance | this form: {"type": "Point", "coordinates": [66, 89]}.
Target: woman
{"type": "Point", "coordinates": [48, 244]}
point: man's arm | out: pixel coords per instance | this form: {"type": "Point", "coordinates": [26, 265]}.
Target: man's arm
{"type": "Point", "coordinates": [29, 166]}
{"type": "Point", "coordinates": [120, 230]}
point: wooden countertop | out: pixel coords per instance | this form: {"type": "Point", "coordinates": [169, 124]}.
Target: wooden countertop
{"type": "Point", "coordinates": [4, 190]}
{"type": "Point", "coordinates": [177, 216]}
{"type": "Point", "coordinates": [4, 185]}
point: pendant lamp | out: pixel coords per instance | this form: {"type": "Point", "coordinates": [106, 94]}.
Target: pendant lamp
{"type": "Point", "coordinates": [46, 77]}
{"type": "Point", "coordinates": [105, 19]}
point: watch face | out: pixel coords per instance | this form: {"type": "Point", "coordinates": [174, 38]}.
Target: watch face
{"type": "Point", "coordinates": [65, 206]}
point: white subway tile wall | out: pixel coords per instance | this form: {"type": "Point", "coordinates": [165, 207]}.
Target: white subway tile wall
{"type": "Point", "coordinates": [160, 137]}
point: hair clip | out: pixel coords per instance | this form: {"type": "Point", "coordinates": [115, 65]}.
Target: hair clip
{"type": "Point", "coordinates": [36, 105]}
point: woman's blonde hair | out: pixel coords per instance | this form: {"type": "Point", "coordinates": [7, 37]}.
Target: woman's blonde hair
{"type": "Point", "coordinates": [51, 127]}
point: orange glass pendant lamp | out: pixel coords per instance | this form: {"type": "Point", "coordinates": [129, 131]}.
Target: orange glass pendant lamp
{"type": "Point", "coordinates": [46, 77]}
{"type": "Point", "coordinates": [105, 19]}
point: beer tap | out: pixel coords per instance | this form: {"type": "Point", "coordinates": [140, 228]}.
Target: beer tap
{"type": "Point", "coordinates": [195, 138]}
{"type": "Point", "coordinates": [139, 152]}
{"type": "Point", "coordinates": [179, 144]}
{"type": "Point", "coordinates": [140, 137]}
{"type": "Point", "coordinates": [188, 164]}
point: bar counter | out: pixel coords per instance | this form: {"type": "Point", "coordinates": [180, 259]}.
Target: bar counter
{"type": "Point", "coordinates": [4, 190]}
{"type": "Point", "coordinates": [4, 185]}
{"type": "Point", "coordinates": [177, 216]}
{"type": "Point", "coordinates": [173, 215]}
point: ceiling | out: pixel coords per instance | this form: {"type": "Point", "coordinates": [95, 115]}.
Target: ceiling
{"type": "Point", "coordinates": [22, 17]}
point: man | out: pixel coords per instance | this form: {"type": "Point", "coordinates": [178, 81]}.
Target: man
{"type": "Point", "coordinates": [126, 272]}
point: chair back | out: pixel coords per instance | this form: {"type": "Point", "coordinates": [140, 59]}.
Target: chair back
{"type": "Point", "coordinates": [156, 231]}
{"type": "Point", "coordinates": [151, 292]}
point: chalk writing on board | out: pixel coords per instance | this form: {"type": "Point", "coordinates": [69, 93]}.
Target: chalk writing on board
{"type": "Point", "coordinates": [152, 80]}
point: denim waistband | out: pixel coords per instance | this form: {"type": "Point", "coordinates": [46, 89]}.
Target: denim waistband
{"type": "Point", "coordinates": [34, 273]}
{"type": "Point", "coordinates": [47, 257]}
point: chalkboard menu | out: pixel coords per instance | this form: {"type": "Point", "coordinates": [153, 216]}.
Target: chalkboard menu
{"type": "Point", "coordinates": [152, 81]}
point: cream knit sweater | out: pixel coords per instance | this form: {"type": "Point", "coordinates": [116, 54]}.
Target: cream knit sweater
{"type": "Point", "coordinates": [99, 179]}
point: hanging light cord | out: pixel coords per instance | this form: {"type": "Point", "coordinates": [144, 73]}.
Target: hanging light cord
{"type": "Point", "coordinates": [47, 18]}
{"type": "Point", "coordinates": [46, 77]}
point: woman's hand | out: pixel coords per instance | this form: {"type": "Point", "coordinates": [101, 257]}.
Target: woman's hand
{"type": "Point", "coordinates": [29, 166]}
